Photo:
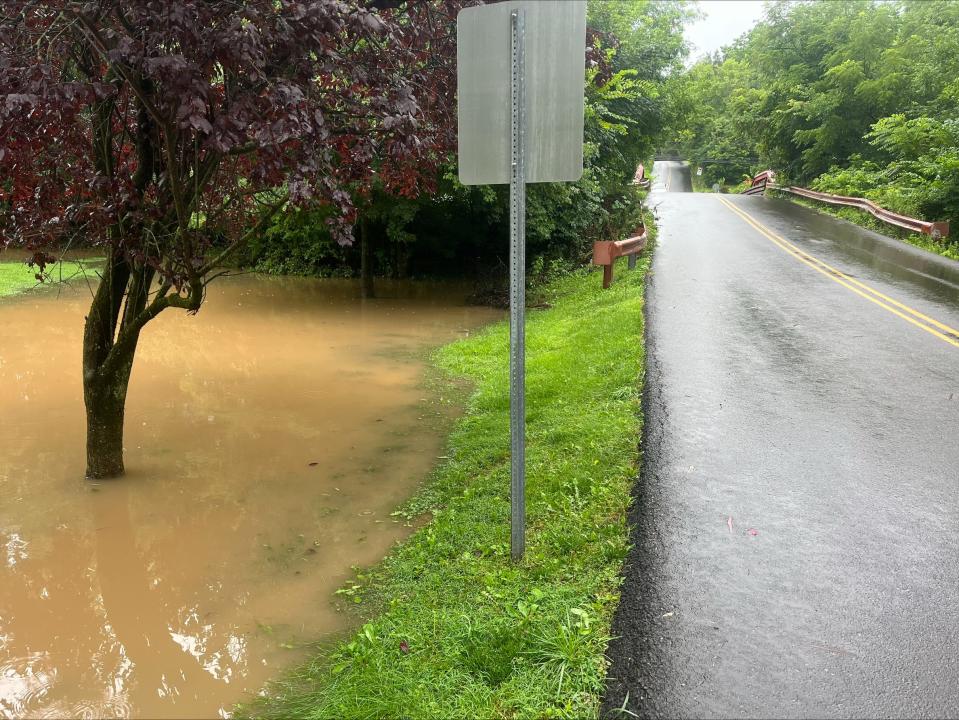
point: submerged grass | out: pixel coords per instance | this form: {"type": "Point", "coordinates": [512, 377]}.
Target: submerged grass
{"type": "Point", "coordinates": [18, 277]}
{"type": "Point", "coordinates": [459, 631]}
{"type": "Point", "coordinates": [15, 277]}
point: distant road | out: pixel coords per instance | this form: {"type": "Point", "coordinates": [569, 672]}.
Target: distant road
{"type": "Point", "coordinates": [797, 520]}
{"type": "Point", "coordinates": [671, 176]}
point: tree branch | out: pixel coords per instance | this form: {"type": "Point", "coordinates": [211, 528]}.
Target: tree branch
{"type": "Point", "coordinates": [243, 239]}
{"type": "Point", "coordinates": [100, 46]}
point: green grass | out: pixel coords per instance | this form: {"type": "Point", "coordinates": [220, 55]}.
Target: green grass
{"type": "Point", "coordinates": [947, 247]}
{"type": "Point", "coordinates": [457, 630]}
{"type": "Point", "coordinates": [17, 277]}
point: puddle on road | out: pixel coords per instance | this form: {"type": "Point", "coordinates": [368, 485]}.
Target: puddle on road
{"type": "Point", "coordinates": [179, 589]}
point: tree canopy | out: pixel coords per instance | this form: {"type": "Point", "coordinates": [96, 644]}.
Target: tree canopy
{"type": "Point", "coordinates": [124, 122]}
{"type": "Point", "coordinates": [168, 132]}
{"type": "Point", "coordinates": [172, 133]}
{"type": "Point", "coordinates": [862, 95]}
{"type": "Point", "coordinates": [632, 48]}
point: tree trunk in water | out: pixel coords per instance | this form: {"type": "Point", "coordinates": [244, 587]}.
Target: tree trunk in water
{"type": "Point", "coordinates": [105, 400]}
{"type": "Point", "coordinates": [105, 383]}
{"type": "Point", "coordinates": [366, 259]}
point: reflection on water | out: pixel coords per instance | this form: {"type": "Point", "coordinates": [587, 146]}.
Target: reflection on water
{"type": "Point", "coordinates": [268, 439]}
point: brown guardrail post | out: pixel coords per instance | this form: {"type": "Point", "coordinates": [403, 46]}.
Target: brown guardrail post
{"type": "Point", "coordinates": [605, 253]}
{"type": "Point", "coordinates": [939, 230]}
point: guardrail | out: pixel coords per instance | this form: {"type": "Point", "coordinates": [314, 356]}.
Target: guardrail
{"type": "Point", "coordinates": [935, 230]}
{"type": "Point", "coordinates": [605, 252]}
{"type": "Point", "coordinates": [760, 181]}
{"type": "Point", "coordinates": [640, 178]}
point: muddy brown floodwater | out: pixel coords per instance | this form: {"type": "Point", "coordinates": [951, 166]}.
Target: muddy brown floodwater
{"type": "Point", "coordinates": [182, 588]}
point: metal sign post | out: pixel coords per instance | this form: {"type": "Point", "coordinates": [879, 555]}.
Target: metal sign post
{"type": "Point", "coordinates": [517, 286]}
{"type": "Point", "coordinates": [520, 109]}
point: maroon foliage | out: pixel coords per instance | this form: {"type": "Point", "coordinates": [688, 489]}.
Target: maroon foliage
{"type": "Point", "coordinates": [169, 131]}
{"type": "Point", "coordinates": [161, 125]}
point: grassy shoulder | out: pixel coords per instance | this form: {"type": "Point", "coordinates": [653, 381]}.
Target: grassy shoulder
{"type": "Point", "coordinates": [947, 247]}
{"type": "Point", "coordinates": [17, 277]}
{"type": "Point", "coordinates": [460, 631]}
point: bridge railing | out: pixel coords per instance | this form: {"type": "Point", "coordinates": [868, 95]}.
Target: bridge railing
{"type": "Point", "coordinates": [640, 177]}
{"type": "Point", "coordinates": [767, 178]}
{"type": "Point", "coordinates": [759, 183]}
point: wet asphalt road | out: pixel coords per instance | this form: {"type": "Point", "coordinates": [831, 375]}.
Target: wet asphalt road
{"type": "Point", "coordinates": [796, 525]}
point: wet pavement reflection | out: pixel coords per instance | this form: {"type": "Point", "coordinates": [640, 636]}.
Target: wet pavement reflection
{"type": "Point", "coordinates": [867, 254]}
{"type": "Point", "coordinates": [796, 524]}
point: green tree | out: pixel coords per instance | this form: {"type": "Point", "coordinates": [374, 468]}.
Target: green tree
{"type": "Point", "coordinates": [635, 47]}
{"type": "Point", "coordinates": [857, 97]}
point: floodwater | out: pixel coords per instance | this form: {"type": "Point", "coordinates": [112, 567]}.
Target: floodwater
{"type": "Point", "coordinates": [268, 439]}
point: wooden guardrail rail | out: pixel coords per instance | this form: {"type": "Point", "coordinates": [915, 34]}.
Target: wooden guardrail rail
{"type": "Point", "coordinates": [767, 179]}
{"type": "Point", "coordinates": [605, 252]}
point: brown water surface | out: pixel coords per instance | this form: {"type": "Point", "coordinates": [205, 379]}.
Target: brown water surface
{"type": "Point", "coordinates": [183, 587]}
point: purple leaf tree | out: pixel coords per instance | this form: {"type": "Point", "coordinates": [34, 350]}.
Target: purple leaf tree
{"type": "Point", "coordinates": [169, 132]}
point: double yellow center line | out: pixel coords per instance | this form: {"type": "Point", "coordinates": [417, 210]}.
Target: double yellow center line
{"type": "Point", "coordinates": [940, 330]}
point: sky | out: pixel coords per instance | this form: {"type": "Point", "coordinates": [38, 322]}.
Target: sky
{"type": "Point", "coordinates": [723, 22]}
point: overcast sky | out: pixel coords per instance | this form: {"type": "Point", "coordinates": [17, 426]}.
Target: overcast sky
{"type": "Point", "coordinates": [724, 21]}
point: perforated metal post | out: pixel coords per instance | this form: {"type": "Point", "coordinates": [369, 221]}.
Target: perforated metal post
{"type": "Point", "coordinates": [517, 289]}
